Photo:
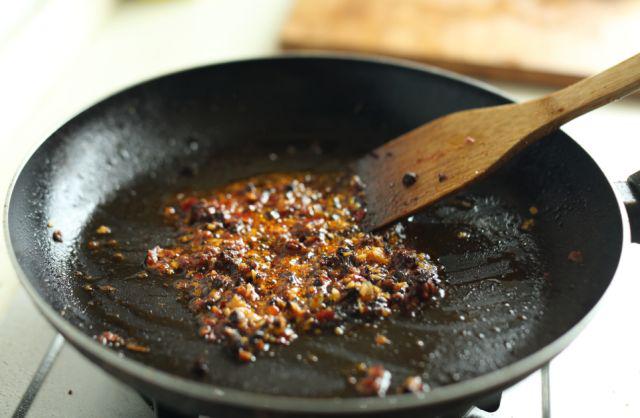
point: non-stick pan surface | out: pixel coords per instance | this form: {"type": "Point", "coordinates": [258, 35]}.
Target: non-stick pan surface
{"type": "Point", "coordinates": [512, 295]}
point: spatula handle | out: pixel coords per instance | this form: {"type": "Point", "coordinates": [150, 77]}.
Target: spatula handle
{"type": "Point", "coordinates": [590, 93]}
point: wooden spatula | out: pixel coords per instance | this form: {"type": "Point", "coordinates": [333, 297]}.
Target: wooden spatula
{"type": "Point", "coordinates": [436, 159]}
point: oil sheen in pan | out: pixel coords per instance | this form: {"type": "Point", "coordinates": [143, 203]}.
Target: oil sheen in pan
{"type": "Point", "coordinates": [494, 281]}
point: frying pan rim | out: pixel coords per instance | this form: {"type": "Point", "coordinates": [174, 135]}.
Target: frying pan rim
{"type": "Point", "coordinates": [208, 393]}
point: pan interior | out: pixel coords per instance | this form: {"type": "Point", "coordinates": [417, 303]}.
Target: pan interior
{"type": "Point", "coordinates": [509, 292]}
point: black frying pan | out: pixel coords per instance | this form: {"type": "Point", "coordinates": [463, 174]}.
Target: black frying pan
{"type": "Point", "coordinates": [514, 299]}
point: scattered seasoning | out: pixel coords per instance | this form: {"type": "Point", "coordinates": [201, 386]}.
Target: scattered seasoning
{"type": "Point", "coordinates": [463, 203]}
{"type": "Point", "coordinates": [262, 260]}
{"type": "Point", "coordinates": [200, 367]}
{"type": "Point", "coordinates": [375, 383]}
{"type": "Point", "coordinates": [137, 348]}
{"type": "Point", "coordinates": [463, 235]}
{"type": "Point", "coordinates": [107, 288]}
{"type": "Point", "coordinates": [412, 384]}
{"type": "Point", "coordinates": [110, 339]}
{"type": "Point", "coordinates": [576, 256]}
{"type": "Point", "coordinates": [442, 177]}
{"type": "Point", "coordinates": [533, 210]}
{"type": "Point", "coordinates": [382, 340]}
{"type": "Point", "coordinates": [57, 235]}
{"type": "Point", "coordinates": [103, 230]}
{"type": "Point", "coordinates": [527, 224]}
{"type": "Point", "coordinates": [118, 257]}
{"type": "Point", "coordinates": [245, 356]}
{"type": "Point", "coordinates": [49, 224]}
{"type": "Point", "coordinates": [70, 392]}
{"type": "Point", "coordinates": [469, 140]}
{"type": "Point", "coordinates": [409, 179]}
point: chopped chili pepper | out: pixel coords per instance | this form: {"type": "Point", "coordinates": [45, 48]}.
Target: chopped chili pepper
{"type": "Point", "coordinates": [262, 260]}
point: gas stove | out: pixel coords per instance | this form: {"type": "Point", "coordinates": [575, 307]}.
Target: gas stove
{"type": "Point", "coordinates": [45, 376]}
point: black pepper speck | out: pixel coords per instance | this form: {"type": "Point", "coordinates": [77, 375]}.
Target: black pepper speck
{"type": "Point", "coordinates": [409, 179]}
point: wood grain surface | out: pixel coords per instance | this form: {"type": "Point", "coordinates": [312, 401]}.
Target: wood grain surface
{"type": "Point", "coordinates": [553, 42]}
{"type": "Point", "coordinates": [450, 152]}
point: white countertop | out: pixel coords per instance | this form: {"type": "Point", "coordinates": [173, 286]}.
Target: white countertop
{"type": "Point", "coordinates": [125, 42]}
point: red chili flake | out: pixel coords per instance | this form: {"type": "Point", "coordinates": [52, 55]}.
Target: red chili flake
{"type": "Point", "coordinates": [382, 340]}
{"type": "Point", "coordinates": [359, 215]}
{"type": "Point", "coordinates": [186, 204]}
{"type": "Point", "coordinates": [110, 339]}
{"type": "Point", "coordinates": [245, 356]}
{"type": "Point", "coordinates": [325, 315]}
{"type": "Point", "coordinates": [576, 256]}
{"type": "Point", "coordinates": [412, 384]}
{"type": "Point", "coordinates": [376, 382]}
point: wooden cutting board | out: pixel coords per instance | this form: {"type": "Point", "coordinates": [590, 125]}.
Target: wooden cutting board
{"type": "Point", "coordinates": [551, 42]}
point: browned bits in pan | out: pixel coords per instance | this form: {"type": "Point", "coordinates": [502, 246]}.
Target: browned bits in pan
{"type": "Point", "coordinates": [57, 235]}
{"type": "Point", "coordinates": [107, 288]}
{"type": "Point", "coordinates": [575, 256]}
{"type": "Point", "coordinates": [118, 257]}
{"type": "Point", "coordinates": [527, 224]}
{"type": "Point", "coordinates": [137, 348]}
{"type": "Point", "coordinates": [200, 367]}
{"type": "Point", "coordinates": [262, 260]}
{"type": "Point", "coordinates": [103, 230]}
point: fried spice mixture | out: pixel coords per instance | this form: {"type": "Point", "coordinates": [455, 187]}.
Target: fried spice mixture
{"type": "Point", "coordinates": [262, 260]}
